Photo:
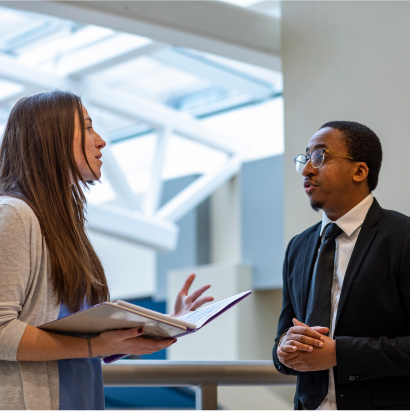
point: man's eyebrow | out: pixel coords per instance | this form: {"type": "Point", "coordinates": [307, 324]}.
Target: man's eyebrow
{"type": "Point", "coordinates": [320, 145]}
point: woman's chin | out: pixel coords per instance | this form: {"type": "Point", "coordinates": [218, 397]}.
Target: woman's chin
{"type": "Point", "coordinates": [91, 177]}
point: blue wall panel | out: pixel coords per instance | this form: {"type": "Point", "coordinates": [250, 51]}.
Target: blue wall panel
{"type": "Point", "coordinates": [262, 220]}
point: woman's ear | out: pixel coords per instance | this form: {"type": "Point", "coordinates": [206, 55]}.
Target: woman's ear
{"type": "Point", "coordinates": [361, 172]}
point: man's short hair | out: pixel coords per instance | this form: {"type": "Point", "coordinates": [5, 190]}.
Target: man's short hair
{"type": "Point", "coordinates": [363, 145]}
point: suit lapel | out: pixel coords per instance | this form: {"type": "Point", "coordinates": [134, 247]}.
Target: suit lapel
{"type": "Point", "coordinates": [363, 243]}
{"type": "Point", "coordinates": [309, 263]}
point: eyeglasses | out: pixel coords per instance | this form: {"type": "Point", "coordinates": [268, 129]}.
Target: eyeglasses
{"type": "Point", "coordinates": [317, 157]}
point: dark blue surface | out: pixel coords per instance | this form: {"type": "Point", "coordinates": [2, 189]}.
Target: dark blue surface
{"type": "Point", "coordinates": [81, 383]}
{"type": "Point", "coordinates": [149, 397]}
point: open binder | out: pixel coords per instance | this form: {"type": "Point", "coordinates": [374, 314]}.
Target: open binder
{"type": "Point", "coordinates": [122, 315]}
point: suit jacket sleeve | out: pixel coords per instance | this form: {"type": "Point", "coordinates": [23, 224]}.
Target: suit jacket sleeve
{"type": "Point", "coordinates": [378, 357]}
{"type": "Point", "coordinates": [286, 316]}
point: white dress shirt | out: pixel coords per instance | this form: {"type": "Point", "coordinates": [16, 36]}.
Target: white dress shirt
{"type": "Point", "coordinates": [350, 223]}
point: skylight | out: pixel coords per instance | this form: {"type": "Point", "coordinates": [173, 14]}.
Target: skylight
{"type": "Point", "coordinates": [9, 88]}
{"type": "Point", "coordinates": [235, 99]}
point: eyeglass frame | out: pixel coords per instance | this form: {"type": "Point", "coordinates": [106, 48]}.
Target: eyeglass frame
{"type": "Point", "coordinates": [309, 157]}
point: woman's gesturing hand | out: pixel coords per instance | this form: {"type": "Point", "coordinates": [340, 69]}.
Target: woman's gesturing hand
{"type": "Point", "coordinates": [185, 303]}
{"type": "Point", "coordinates": [126, 342]}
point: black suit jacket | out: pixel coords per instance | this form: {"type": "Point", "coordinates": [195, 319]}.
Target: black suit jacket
{"type": "Point", "coordinates": [372, 330]}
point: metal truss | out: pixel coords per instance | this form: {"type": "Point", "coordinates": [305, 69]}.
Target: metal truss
{"type": "Point", "coordinates": [143, 220]}
{"type": "Point", "coordinates": [139, 221]}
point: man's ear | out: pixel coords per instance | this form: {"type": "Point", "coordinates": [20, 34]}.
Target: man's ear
{"type": "Point", "coordinates": [361, 171]}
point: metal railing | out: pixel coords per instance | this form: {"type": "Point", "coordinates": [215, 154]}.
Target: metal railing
{"type": "Point", "coordinates": [205, 375]}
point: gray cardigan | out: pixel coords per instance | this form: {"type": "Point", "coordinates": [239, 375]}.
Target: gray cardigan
{"type": "Point", "coordinates": [26, 297]}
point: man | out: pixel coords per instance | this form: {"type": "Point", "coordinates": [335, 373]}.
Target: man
{"type": "Point", "coordinates": [344, 328]}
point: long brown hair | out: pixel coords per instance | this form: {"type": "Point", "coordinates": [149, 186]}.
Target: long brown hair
{"type": "Point", "coordinates": [37, 165]}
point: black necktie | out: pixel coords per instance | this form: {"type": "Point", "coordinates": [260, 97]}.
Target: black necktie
{"type": "Point", "coordinates": [313, 385]}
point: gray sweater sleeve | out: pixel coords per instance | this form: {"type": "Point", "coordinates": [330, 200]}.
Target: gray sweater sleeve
{"type": "Point", "coordinates": [14, 279]}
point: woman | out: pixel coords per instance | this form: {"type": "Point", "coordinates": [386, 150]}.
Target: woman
{"type": "Point", "coordinates": [48, 267]}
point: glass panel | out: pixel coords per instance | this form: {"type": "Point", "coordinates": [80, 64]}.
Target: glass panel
{"type": "Point", "coordinates": [63, 47]}
{"type": "Point", "coordinates": [186, 157]}
{"type": "Point", "coordinates": [255, 130]}
{"type": "Point", "coordinates": [8, 89]}
{"type": "Point", "coordinates": [48, 56]}
{"type": "Point", "coordinates": [135, 157]}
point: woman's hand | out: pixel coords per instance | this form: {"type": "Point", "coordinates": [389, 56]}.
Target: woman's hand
{"type": "Point", "coordinates": [185, 303]}
{"type": "Point", "coordinates": [126, 342]}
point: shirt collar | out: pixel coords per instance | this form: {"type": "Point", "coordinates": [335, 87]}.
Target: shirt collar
{"type": "Point", "coordinates": [353, 219]}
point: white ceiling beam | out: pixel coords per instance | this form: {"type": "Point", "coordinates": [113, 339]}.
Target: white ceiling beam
{"type": "Point", "coordinates": [118, 101]}
{"type": "Point", "coordinates": [155, 231]}
{"type": "Point", "coordinates": [210, 26]}
{"type": "Point", "coordinates": [153, 196]}
{"type": "Point", "coordinates": [133, 226]}
{"type": "Point", "coordinates": [198, 191]}
{"type": "Point", "coordinates": [156, 114]}
{"type": "Point", "coordinates": [36, 79]}
{"type": "Point", "coordinates": [118, 181]}
{"type": "Point", "coordinates": [117, 59]}
{"type": "Point", "coordinates": [219, 75]}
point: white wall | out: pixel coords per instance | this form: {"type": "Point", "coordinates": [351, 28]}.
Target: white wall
{"type": "Point", "coordinates": [245, 332]}
{"type": "Point", "coordinates": [130, 268]}
{"type": "Point", "coordinates": [223, 339]}
{"type": "Point", "coordinates": [225, 224]}
{"type": "Point", "coordinates": [346, 61]}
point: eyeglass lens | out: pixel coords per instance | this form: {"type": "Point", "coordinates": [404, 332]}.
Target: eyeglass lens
{"type": "Point", "coordinates": [317, 158]}
{"type": "Point", "coordinates": [300, 162]}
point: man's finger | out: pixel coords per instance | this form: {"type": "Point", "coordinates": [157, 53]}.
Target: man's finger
{"type": "Point", "coordinates": [300, 346]}
{"type": "Point", "coordinates": [285, 356]}
{"type": "Point", "coordinates": [305, 339]}
{"type": "Point", "coordinates": [288, 348]}
{"type": "Point", "coordinates": [305, 331]}
{"type": "Point", "coordinates": [299, 323]}
{"type": "Point", "coordinates": [321, 330]}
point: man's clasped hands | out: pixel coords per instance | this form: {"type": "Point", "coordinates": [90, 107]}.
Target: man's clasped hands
{"type": "Point", "coordinates": [307, 348]}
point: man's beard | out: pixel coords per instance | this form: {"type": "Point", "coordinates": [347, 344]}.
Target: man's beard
{"type": "Point", "coordinates": [316, 205]}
